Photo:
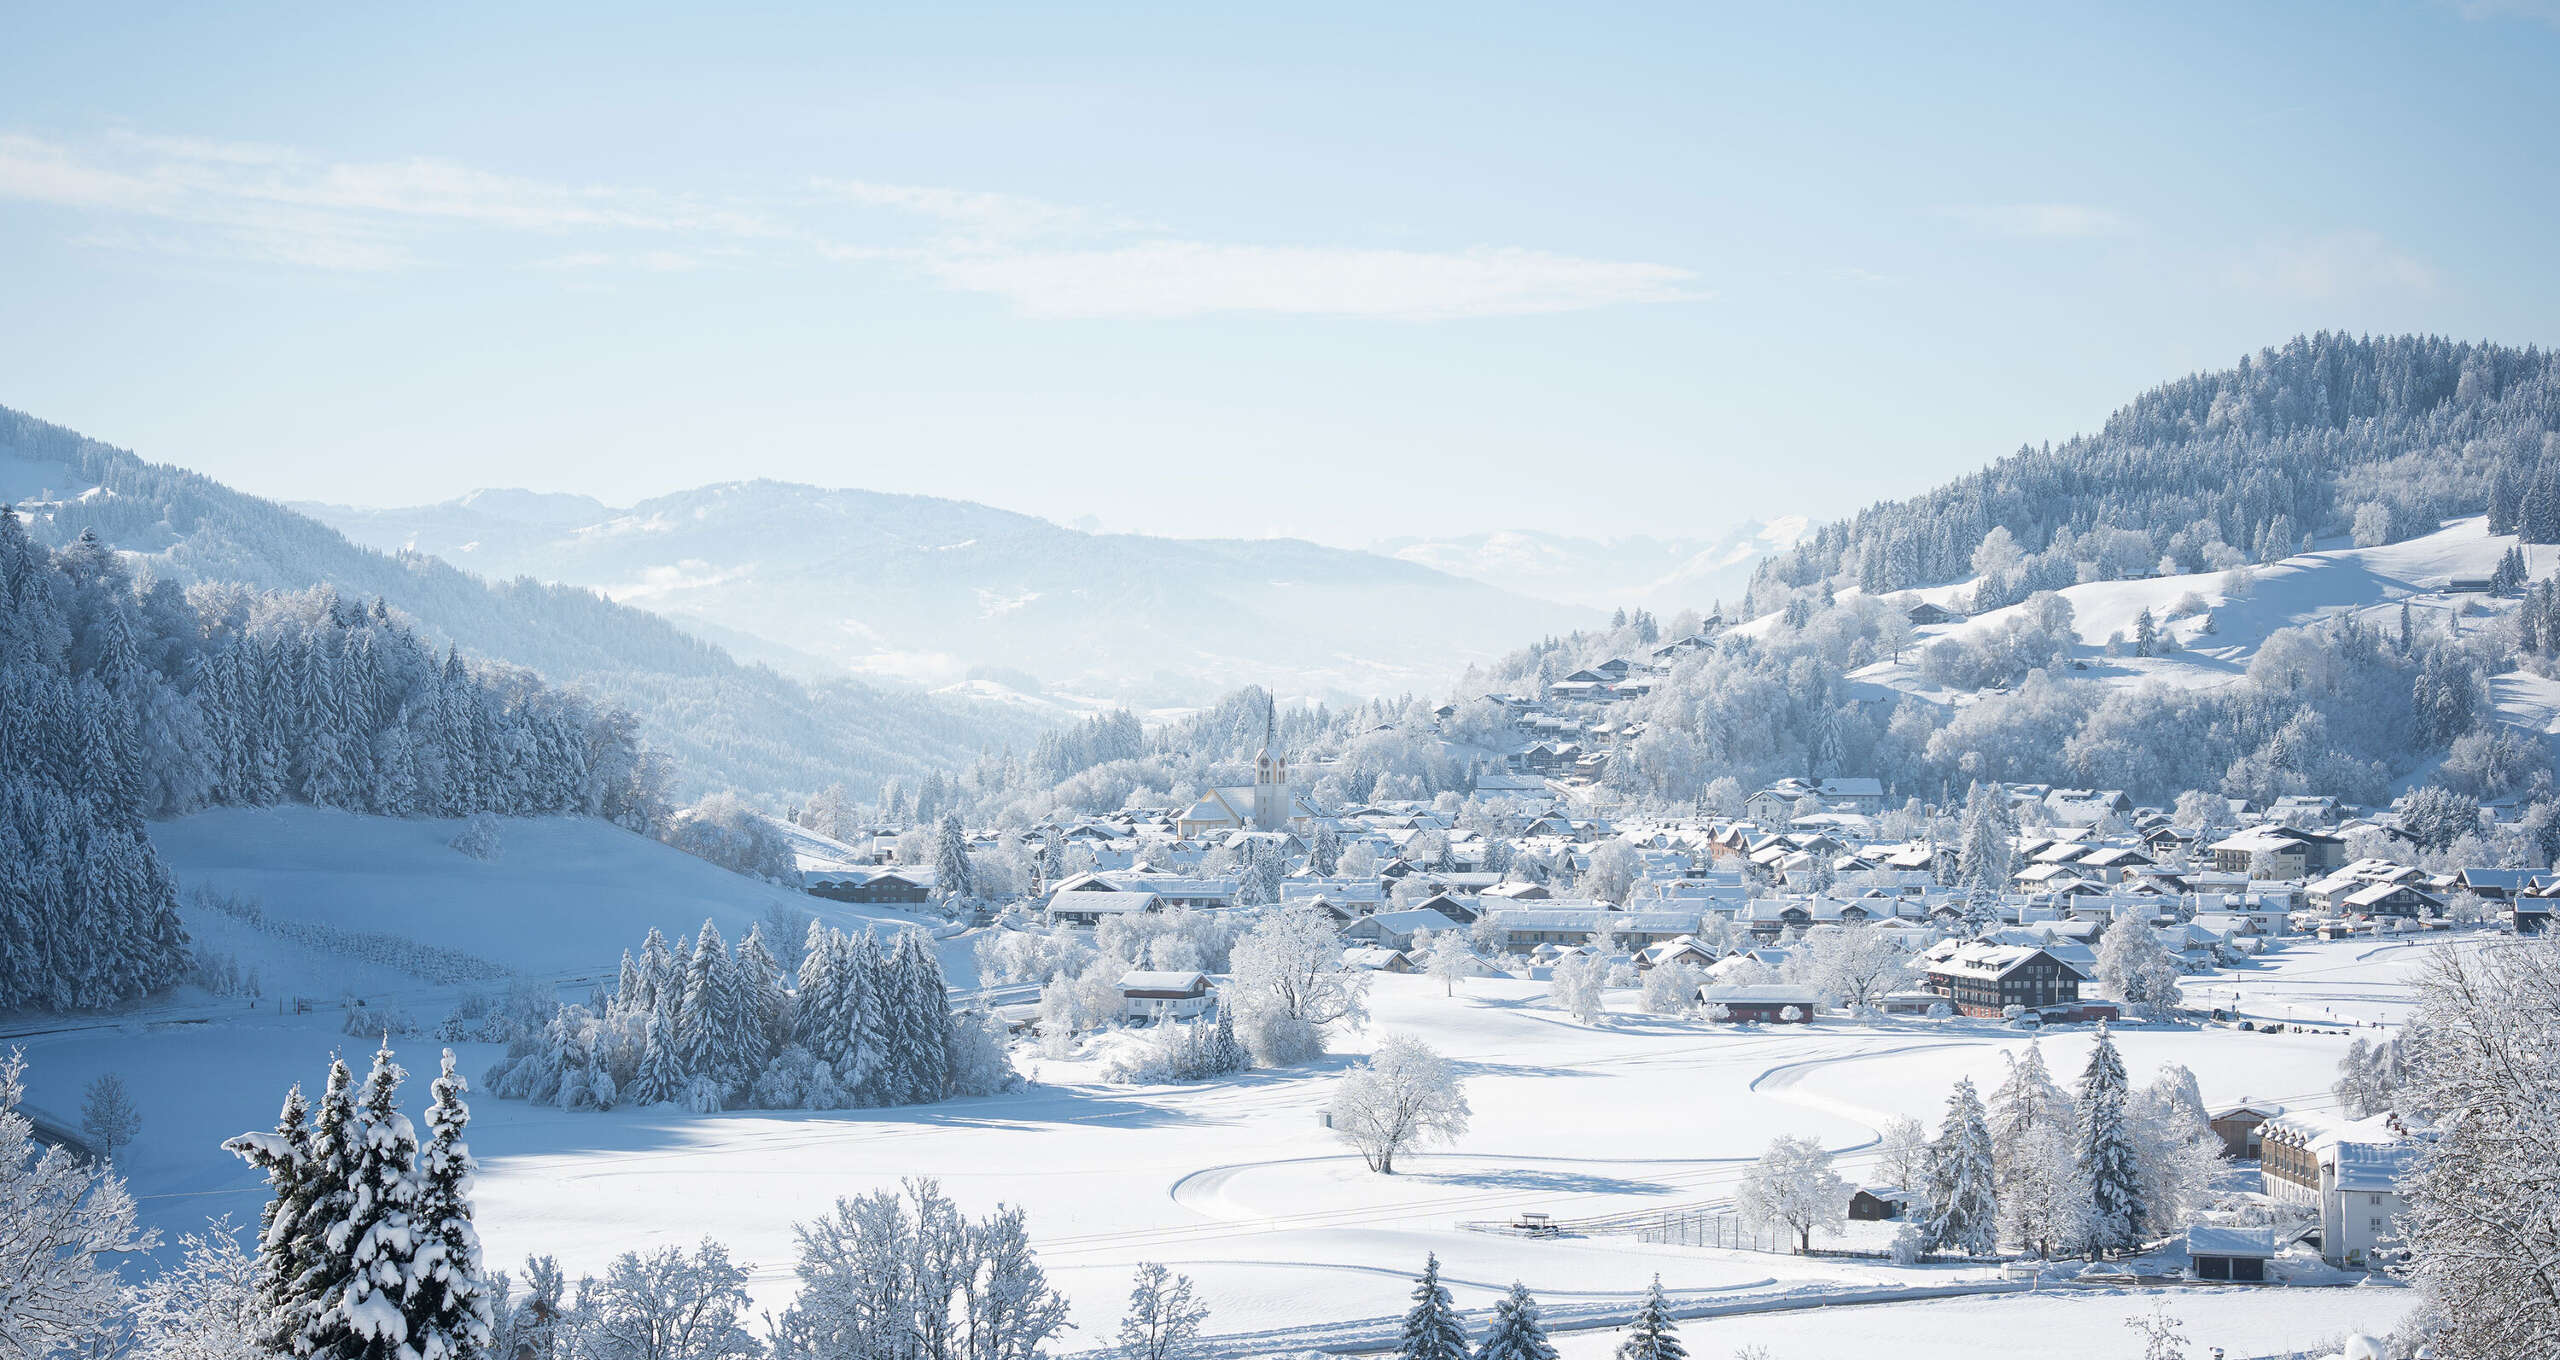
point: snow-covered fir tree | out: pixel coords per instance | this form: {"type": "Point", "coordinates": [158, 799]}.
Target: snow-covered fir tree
{"type": "Point", "coordinates": [2107, 1162]}
{"type": "Point", "coordinates": [1652, 1335]}
{"type": "Point", "coordinates": [1515, 1333]}
{"type": "Point", "coordinates": [1964, 1212]}
{"type": "Point", "coordinates": [447, 1293]}
{"type": "Point", "coordinates": [362, 1314]}
{"type": "Point", "coordinates": [1431, 1328]}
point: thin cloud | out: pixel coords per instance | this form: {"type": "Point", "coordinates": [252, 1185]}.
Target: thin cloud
{"type": "Point", "coordinates": [1162, 280]}
{"type": "Point", "coordinates": [187, 196]}
{"type": "Point", "coordinates": [2334, 265]}
{"type": "Point", "coordinates": [2066, 221]}
{"type": "Point", "coordinates": [2536, 11]}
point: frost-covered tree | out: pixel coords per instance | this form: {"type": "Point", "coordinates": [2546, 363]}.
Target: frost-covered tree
{"type": "Point", "coordinates": [1431, 1328]}
{"type": "Point", "coordinates": [1856, 966]}
{"type": "Point", "coordinates": [1516, 1333]}
{"type": "Point", "coordinates": [1447, 956]}
{"type": "Point", "coordinates": [2176, 1151]}
{"type": "Point", "coordinates": [1575, 982]}
{"type": "Point", "coordinates": [891, 1274]}
{"type": "Point", "coordinates": [1164, 1315]}
{"type": "Point", "coordinates": [204, 1306]}
{"type": "Point", "coordinates": [2134, 968]}
{"type": "Point", "coordinates": [1288, 982]}
{"type": "Point", "coordinates": [63, 1220]}
{"type": "Point", "coordinates": [1672, 988]}
{"type": "Point", "coordinates": [1652, 1334]}
{"type": "Point", "coordinates": [2041, 1197]}
{"type": "Point", "coordinates": [1988, 848]}
{"type": "Point", "coordinates": [2106, 1157]}
{"type": "Point", "coordinates": [666, 1305]}
{"type": "Point", "coordinates": [2484, 1248]}
{"type": "Point", "coordinates": [1406, 1095]}
{"type": "Point", "coordinates": [1793, 1187]}
{"type": "Point", "coordinates": [1902, 1155]}
{"type": "Point", "coordinates": [107, 1116]}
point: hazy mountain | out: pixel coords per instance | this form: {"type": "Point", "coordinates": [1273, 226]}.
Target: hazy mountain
{"type": "Point", "coordinates": [937, 590]}
{"type": "Point", "coordinates": [724, 723]}
{"type": "Point", "coordinates": [1665, 575]}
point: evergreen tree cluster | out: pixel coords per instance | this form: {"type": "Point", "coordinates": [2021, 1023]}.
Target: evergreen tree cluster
{"type": "Point", "coordinates": [366, 1248]}
{"type": "Point", "coordinates": [713, 1027]}
{"type": "Point", "coordinates": [123, 699]}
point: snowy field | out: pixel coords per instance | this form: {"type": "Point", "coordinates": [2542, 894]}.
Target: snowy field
{"type": "Point", "coordinates": [1238, 1184]}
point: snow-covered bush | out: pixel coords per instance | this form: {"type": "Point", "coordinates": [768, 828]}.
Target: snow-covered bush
{"type": "Point", "coordinates": [478, 837]}
{"type": "Point", "coordinates": [1201, 1050]}
{"type": "Point", "coordinates": [1672, 988]}
{"type": "Point", "coordinates": [1027, 955]}
{"type": "Point", "coordinates": [1575, 983]}
{"type": "Point", "coordinates": [981, 1055]}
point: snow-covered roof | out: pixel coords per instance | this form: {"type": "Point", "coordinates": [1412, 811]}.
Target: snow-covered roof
{"type": "Point", "coordinates": [2209, 1240]}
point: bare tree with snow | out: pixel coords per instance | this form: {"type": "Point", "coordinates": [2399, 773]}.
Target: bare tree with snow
{"type": "Point", "coordinates": [1287, 982]}
{"type": "Point", "coordinates": [62, 1220]}
{"type": "Point", "coordinates": [1164, 1316]}
{"type": "Point", "coordinates": [1793, 1187]}
{"type": "Point", "coordinates": [1404, 1096]}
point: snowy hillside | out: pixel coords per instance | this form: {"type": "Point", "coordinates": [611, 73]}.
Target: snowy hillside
{"type": "Point", "coordinates": [724, 723]}
{"type": "Point", "coordinates": [1662, 574]}
{"type": "Point", "coordinates": [2218, 644]}
{"type": "Point", "coordinates": [565, 895]}
{"type": "Point", "coordinates": [933, 590]}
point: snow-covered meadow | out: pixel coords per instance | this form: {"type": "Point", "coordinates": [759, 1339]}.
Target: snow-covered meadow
{"type": "Point", "coordinates": [1240, 1185]}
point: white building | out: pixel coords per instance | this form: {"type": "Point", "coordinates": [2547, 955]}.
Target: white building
{"type": "Point", "coordinates": [2346, 1170]}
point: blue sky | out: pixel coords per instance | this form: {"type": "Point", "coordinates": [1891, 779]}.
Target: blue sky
{"type": "Point", "coordinates": [1318, 270]}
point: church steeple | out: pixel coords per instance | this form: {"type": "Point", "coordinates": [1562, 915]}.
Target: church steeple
{"type": "Point", "coordinates": [1271, 796]}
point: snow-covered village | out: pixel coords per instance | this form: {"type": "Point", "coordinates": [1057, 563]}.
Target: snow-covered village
{"type": "Point", "coordinates": [1063, 685]}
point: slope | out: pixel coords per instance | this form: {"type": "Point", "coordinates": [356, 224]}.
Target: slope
{"type": "Point", "coordinates": [724, 724]}
{"type": "Point", "coordinates": [941, 590]}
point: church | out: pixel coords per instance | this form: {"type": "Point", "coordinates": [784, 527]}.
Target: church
{"type": "Point", "coordinates": [1270, 803]}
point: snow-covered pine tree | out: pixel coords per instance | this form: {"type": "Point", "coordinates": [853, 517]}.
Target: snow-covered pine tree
{"type": "Point", "coordinates": [819, 1008]}
{"type": "Point", "coordinates": [705, 1040]}
{"type": "Point", "coordinates": [1431, 1329]}
{"type": "Point", "coordinates": [766, 1021]}
{"type": "Point", "coordinates": [1652, 1335]}
{"type": "Point", "coordinates": [660, 1078]}
{"type": "Point", "coordinates": [953, 877]}
{"type": "Point", "coordinates": [327, 1259]}
{"type": "Point", "coordinates": [1964, 1208]}
{"type": "Point", "coordinates": [1515, 1332]}
{"type": "Point", "coordinates": [359, 1315]}
{"type": "Point", "coordinates": [2106, 1158]}
{"type": "Point", "coordinates": [285, 1236]}
{"type": "Point", "coordinates": [864, 1070]}
{"type": "Point", "coordinates": [447, 1296]}
{"type": "Point", "coordinates": [926, 1001]}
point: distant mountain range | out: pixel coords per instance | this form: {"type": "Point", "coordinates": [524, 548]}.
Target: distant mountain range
{"type": "Point", "coordinates": [725, 724]}
{"type": "Point", "coordinates": [943, 592]}
{"type": "Point", "coordinates": [1665, 575]}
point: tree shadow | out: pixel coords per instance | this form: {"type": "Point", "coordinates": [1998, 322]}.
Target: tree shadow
{"type": "Point", "coordinates": [1546, 1182]}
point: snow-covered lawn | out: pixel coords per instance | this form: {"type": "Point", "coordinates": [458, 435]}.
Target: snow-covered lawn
{"type": "Point", "coordinates": [1238, 1184]}
{"type": "Point", "coordinates": [2083, 1325]}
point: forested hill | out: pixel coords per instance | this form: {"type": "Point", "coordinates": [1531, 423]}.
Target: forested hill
{"type": "Point", "coordinates": [724, 724]}
{"type": "Point", "coordinates": [2326, 436]}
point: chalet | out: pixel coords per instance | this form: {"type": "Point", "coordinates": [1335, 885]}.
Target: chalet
{"type": "Point", "coordinates": [1397, 929]}
{"type": "Point", "coordinates": [2494, 885]}
{"type": "Point", "coordinates": [1986, 979]}
{"type": "Point", "coordinates": [1148, 995]}
{"type": "Point", "coordinates": [1371, 958]}
{"type": "Point", "coordinates": [2277, 850]}
{"type": "Point", "coordinates": [2237, 1126]}
{"type": "Point", "coordinates": [2230, 1255]}
{"type": "Point", "coordinates": [1765, 1004]}
{"type": "Point", "coordinates": [1205, 894]}
{"type": "Point", "coordinates": [2391, 899]}
{"type": "Point", "coordinates": [1876, 1203]}
{"type": "Point", "coordinates": [873, 887]}
{"type": "Point", "coordinates": [1925, 615]}
{"type": "Point", "coordinates": [1087, 906]}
